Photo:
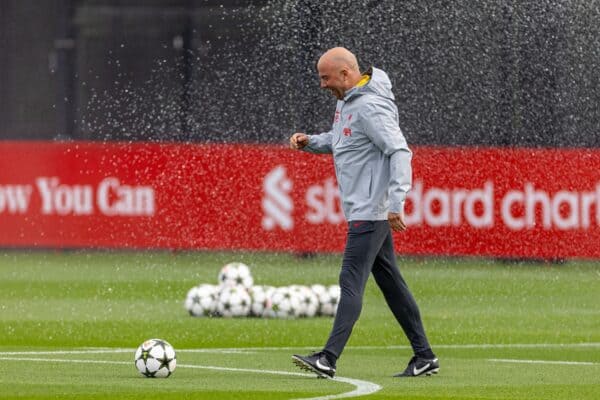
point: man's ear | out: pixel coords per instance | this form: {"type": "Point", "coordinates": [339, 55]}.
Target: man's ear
{"type": "Point", "coordinates": [344, 73]}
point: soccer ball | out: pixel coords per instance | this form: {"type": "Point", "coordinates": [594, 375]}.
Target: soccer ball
{"type": "Point", "coordinates": [155, 358]}
{"type": "Point", "coordinates": [334, 298]}
{"type": "Point", "coordinates": [201, 300]}
{"type": "Point", "coordinates": [236, 273]}
{"type": "Point", "coordinates": [309, 302]}
{"type": "Point", "coordinates": [234, 301]}
{"type": "Point", "coordinates": [324, 299]}
{"type": "Point", "coordinates": [334, 292]}
{"type": "Point", "coordinates": [261, 299]}
{"type": "Point", "coordinates": [328, 298]}
{"type": "Point", "coordinates": [284, 304]}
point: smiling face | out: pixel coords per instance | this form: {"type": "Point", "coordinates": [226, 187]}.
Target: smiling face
{"type": "Point", "coordinates": [333, 78]}
{"type": "Point", "coordinates": [338, 71]}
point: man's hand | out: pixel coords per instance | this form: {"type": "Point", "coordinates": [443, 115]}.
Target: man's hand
{"type": "Point", "coordinates": [298, 140]}
{"type": "Point", "coordinates": [397, 221]}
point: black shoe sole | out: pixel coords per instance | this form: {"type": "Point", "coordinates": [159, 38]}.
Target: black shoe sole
{"type": "Point", "coordinates": [308, 367]}
{"type": "Point", "coordinates": [427, 373]}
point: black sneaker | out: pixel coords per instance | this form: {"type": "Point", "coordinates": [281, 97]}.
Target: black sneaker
{"type": "Point", "coordinates": [317, 363]}
{"type": "Point", "coordinates": [418, 366]}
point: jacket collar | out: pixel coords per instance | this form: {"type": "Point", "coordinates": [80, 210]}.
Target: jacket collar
{"type": "Point", "coordinates": [366, 78]}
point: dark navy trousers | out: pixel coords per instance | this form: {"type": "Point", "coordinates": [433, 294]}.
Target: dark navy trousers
{"type": "Point", "coordinates": [370, 249]}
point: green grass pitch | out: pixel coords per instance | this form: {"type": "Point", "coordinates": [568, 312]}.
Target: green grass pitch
{"type": "Point", "coordinates": [70, 322]}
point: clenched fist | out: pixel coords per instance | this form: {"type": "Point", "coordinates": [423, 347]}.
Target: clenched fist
{"type": "Point", "coordinates": [298, 140]}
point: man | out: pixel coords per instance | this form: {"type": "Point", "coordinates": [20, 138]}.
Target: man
{"type": "Point", "coordinates": [372, 164]}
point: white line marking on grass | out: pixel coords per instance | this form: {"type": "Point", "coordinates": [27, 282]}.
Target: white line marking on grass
{"type": "Point", "coordinates": [65, 360]}
{"type": "Point", "coordinates": [241, 350]}
{"type": "Point", "coordinates": [52, 352]}
{"type": "Point", "coordinates": [435, 346]}
{"type": "Point", "coordinates": [506, 360]}
{"type": "Point", "coordinates": [362, 388]}
{"type": "Point", "coordinates": [251, 350]}
{"type": "Point", "coordinates": [517, 345]}
{"type": "Point", "coordinates": [91, 350]}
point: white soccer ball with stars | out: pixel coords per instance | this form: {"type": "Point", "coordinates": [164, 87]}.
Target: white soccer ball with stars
{"type": "Point", "coordinates": [309, 302]}
{"type": "Point", "coordinates": [328, 298]}
{"type": "Point", "coordinates": [236, 273]}
{"type": "Point", "coordinates": [234, 301]}
{"type": "Point", "coordinates": [155, 358]}
{"type": "Point", "coordinates": [201, 300]}
{"type": "Point", "coordinates": [334, 292]}
{"type": "Point", "coordinates": [261, 300]}
{"type": "Point", "coordinates": [284, 304]}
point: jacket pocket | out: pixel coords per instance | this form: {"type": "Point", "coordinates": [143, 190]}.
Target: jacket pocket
{"type": "Point", "coordinates": [356, 184]}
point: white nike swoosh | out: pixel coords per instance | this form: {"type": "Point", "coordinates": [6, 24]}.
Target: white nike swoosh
{"type": "Point", "coordinates": [321, 366]}
{"type": "Point", "coordinates": [419, 371]}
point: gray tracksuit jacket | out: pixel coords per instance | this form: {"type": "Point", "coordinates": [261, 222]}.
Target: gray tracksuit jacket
{"type": "Point", "coordinates": [371, 157]}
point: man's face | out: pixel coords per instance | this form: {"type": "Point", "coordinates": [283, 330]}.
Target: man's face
{"type": "Point", "coordinates": [333, 78]}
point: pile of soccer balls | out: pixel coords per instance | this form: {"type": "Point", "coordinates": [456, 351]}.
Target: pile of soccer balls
{"type": "Point", "coordinates": [237, 296]}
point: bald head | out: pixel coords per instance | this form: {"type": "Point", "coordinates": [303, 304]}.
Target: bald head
{"type": "Point", "coordinates": [338, 71]}
{"type": "Point", "coordinates": [340, 57]}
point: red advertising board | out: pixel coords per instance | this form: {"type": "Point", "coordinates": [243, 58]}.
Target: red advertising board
{"type": "Point", "coordinates": [532, 203]}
